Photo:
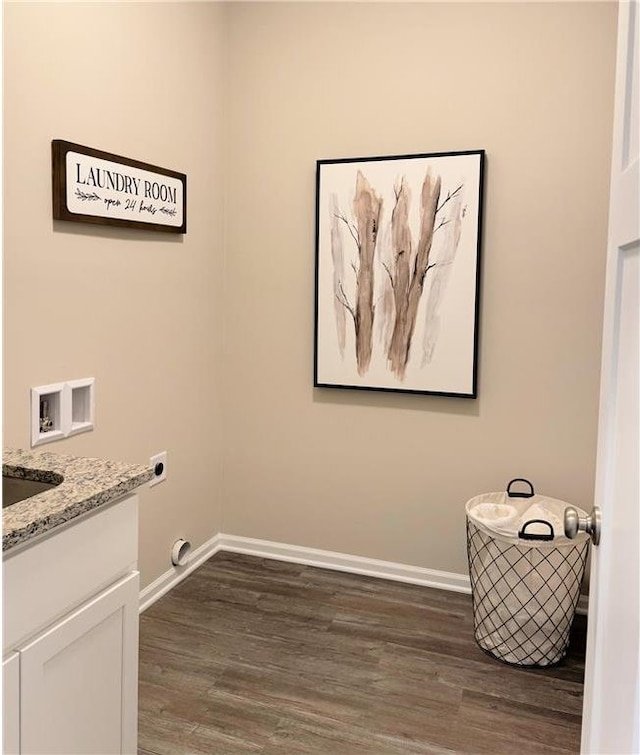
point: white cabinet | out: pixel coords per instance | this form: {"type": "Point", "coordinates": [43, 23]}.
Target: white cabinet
{"type": "Point", "coordinates": [11, 704]}
{"type": "Point", "coordinates": [71, 638]}
{"type": "Point", "coordinates": [76, 676]}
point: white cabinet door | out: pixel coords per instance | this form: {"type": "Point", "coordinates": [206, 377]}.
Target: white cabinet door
{"type": "Point", "coordinates": [78, 680]}
{"type": "Point", "coordinates": [11, 705]}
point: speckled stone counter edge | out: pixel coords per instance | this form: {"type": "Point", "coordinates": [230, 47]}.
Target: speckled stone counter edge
{"type": "Point", "coordinates": [87, 484]}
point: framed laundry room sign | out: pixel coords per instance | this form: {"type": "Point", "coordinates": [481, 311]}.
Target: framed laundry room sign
{"type": "Point", "coordinates": [92, 186]}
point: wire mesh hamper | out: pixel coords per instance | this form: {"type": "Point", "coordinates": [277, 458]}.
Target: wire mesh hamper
{"type": "Point", "coordinates": [525, 575]}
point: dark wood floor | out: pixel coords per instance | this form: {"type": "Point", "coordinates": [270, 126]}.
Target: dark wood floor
{"type": "Point", "coordinates": [255, 656]}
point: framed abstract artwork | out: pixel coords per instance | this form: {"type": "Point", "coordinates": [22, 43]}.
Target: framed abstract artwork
{"type": "Point", "coordinates": [398, 273]}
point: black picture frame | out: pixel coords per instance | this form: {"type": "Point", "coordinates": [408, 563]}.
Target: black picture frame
{"type": "Point", "coordinates": [397, 272]}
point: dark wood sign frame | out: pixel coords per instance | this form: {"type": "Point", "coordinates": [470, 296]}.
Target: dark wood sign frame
{"type": "Point", "coordinates": [59, 150]}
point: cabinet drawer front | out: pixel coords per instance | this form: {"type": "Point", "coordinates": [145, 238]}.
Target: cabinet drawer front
{"type": "Point", "coordinates": [54, 575]}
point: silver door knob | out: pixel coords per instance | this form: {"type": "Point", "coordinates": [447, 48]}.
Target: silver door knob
{"type": "Point", "coordinates": [574, 523]}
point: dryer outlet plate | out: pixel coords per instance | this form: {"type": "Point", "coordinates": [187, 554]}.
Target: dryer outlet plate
{"type": "Point", "coordinates": [159, 465]}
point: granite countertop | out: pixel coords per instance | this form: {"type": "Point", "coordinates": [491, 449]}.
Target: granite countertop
{"type": "Point", "coordinates": [86, 485]}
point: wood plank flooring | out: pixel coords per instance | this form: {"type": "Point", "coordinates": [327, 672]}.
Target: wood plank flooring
{"type": "Point", "coordinates": [249, 655]}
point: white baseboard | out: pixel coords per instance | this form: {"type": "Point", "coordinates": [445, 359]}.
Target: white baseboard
{"type": "Point", "coordinates": [371, 567]}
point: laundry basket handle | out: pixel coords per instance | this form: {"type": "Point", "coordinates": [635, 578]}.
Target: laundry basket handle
{"type": "Point", "coordinates": [535, 536]}
{"type": "Point", "coordinates": [520, 495]}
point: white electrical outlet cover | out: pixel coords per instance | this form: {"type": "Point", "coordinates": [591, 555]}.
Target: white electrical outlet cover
{"type": "Point", "coordinates": [155, 462]}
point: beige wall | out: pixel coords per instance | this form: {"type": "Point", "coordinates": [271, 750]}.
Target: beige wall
{"type": "Point", "coordinates": [387, 476]}
{"type": "Point", "coordinates": [140, 311]}
{"type": "Point", "coordinates": [379, 475]}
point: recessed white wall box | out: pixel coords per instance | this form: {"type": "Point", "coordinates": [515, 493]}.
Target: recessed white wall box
{"type": "Point", "coordinates": [159, 464]}
{"type": "Point", "coordinates": [82, 405]}
{"type": "Point", "coordinates": [61, 409]}
{"type": "Point", "coordinates": [47, 412]}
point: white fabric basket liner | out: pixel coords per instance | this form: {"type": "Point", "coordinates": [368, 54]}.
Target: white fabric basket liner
{"type": "Point", "coordinates": [498, 514]}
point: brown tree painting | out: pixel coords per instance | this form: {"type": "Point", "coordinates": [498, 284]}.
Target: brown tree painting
{"type": "Point", "coordinates": [397, 272]}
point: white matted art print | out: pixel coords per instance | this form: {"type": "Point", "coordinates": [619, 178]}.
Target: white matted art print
{"type": "Point", "coordinates": [398, 272]}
